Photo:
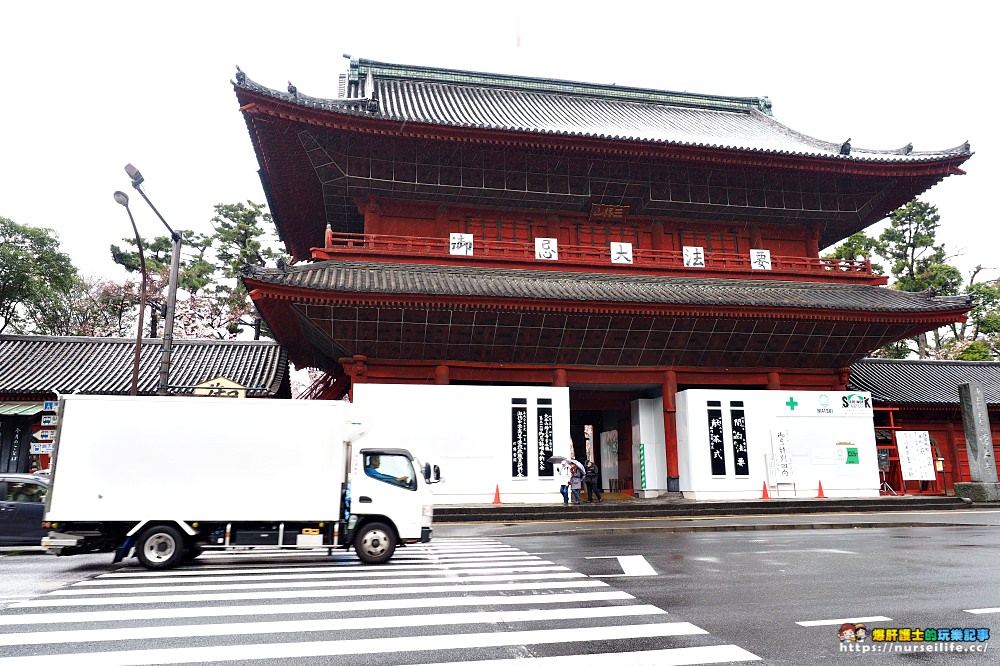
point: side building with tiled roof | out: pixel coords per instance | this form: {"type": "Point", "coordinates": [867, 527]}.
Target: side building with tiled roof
{"type": "Point", "coordinates": [36, 369]}
{"type": "Point", "coordinates": [456, 227]}
{"type": "Point", "coordinates": [923, 395]}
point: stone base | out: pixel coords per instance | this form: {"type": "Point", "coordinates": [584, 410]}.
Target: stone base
{"type": "Point", "coordinates": [978, 492]}
{"type": "Point", "coordinates": [646, 494]}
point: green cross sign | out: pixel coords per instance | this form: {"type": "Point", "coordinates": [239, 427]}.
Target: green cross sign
{"type": "Point", "coordinates": [792, 404]}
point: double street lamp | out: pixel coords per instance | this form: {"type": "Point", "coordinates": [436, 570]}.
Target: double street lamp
{"type": "Point", "coordinates": [175, 259]}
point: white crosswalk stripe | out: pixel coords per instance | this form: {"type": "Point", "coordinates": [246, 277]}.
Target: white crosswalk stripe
{"type": "Point", "coordinates": [454, 601]}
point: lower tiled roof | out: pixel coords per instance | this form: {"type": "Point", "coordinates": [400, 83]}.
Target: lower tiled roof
{"type": "Point", "coordinates": [45, 364]}
{"type": "Point", "coordinates": [473, 281]}
{"type": "Point", "coordinates": [923, 382]}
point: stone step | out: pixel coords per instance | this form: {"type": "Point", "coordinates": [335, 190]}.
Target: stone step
{"type": "Point", "coordinates": [667, 507]}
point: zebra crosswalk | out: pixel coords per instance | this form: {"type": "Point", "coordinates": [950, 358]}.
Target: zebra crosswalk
{"type": "Point", "coordinates": [453, 601]}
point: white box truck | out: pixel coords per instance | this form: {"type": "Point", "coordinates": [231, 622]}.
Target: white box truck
{"type": "Point", "coordinates": [171, 476]}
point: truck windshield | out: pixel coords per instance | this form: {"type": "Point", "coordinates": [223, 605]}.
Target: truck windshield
{"type": "Point", "coordinates": [391, 468]}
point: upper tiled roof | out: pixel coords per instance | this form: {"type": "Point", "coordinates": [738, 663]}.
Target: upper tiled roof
{"type": "Point", "coordinates": [923, 382]}
{"type": "Point", "coordinates": [44, 365]}
{"type": "Point", "coordinates": [544, 285]}
{"type": "Point", "coordinates": [454, 98]}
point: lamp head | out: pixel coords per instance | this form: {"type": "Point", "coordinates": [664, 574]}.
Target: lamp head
{"type": "Point", "coordinates": [134, 174]}
{"type": "Point", "coordinates": [121, 198]}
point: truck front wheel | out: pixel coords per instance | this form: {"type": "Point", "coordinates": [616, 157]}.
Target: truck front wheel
{"type": "Point", "coordinates": [160, 547]}
{"type": "Point", "coordinates": [375, 543]}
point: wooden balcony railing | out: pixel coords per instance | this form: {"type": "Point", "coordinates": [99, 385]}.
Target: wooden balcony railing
{"type": "Point", "coordinates": [381, 247]}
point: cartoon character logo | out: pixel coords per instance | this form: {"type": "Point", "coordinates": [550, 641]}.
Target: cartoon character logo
{"type": "Point", "coordinates": [846, 632]}
{"type": "Point", "coordinates": [860, 632]}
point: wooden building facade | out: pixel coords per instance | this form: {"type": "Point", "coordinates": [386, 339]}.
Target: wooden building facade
{"type": "Point", "coordinates": [470, 228]}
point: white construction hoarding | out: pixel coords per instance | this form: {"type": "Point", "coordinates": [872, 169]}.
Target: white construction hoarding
{"type": "Point", "coordinates": [484, 438]}
{"type": "Point", "coordinates": [732, 443]}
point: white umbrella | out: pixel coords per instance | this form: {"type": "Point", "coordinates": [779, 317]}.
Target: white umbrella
{"type": "Point", "coordinates": [561, 459]}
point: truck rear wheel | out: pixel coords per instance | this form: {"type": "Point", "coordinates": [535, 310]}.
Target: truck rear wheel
{"type": "Point", "coordinates": [375, 543]}
{"type": "Point", "coordinates": [160, 547]}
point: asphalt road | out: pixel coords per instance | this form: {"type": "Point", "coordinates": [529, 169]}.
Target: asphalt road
{"type": "Point", "coordinates": [783, 595]}
{"type": "Point", "coordinates": [582, 597]}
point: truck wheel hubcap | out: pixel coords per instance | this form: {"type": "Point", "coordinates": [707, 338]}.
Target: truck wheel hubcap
{"type": "Point", "coordinates": [159, 547]}
{"type": "Point", "coordinates": [374, 542]}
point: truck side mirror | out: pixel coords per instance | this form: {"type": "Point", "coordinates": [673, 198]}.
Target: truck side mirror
{"type": "Point", "coordinates": [432, 474]}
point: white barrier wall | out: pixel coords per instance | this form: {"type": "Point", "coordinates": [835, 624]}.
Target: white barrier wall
{"type": "Point", "coordinates": [482, 437]}
{"type": "Point", "coordinates": [649, 452]}
{"type": "Point", "coordinates": [730, 443]}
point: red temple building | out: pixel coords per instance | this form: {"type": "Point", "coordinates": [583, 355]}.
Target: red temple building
{"type": "Point", "coordinates": [453, 227]}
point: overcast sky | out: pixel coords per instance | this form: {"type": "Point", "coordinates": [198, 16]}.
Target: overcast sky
{"type": "Point", "coordinates": [89, 86]}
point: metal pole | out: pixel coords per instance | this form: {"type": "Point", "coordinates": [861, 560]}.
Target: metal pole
{"type": "Point", "coordinates": [168, 325]}
{"type": "Point", "coordinates": [122, 198]}
{"type": "Point", "coordinates": [175, 258]}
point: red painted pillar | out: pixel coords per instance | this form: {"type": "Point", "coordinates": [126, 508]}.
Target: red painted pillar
{"type": "Point", "coordinates": [442, 375]}
{"type": "Point", "coordinates": [773, 381]}
{"type": "Point", "coordinates": [559, 378]}
{"type": "Point", "coordinates": [355, 367]}
{"type": "Point", "coordinates": [670, 429]}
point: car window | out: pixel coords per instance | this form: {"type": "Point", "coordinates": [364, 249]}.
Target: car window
{"type": "Point", "coordinates": [25, 491]}
{"type": "Point", "coordinates": [391, 468]}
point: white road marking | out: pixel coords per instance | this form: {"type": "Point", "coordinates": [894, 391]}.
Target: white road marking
{"type": "Point", "coordinates": [365, 646]}
{"type": "Point", "coordinates": [76, 591]}
{"type": "Point", "coordinates": [983, 611]}
{"type": "Point", "coordinates": [342, 624]}
{"type": "Point", "coordinates": [303, 594]}
{"type": "Point", "coordinates": [374, 605]}
{"type": "Point", "coordinates": [832, 551]}
{"type": "Point", "coordinates": [215, 570]}
{"type": "Point", "coordinates": [381, 572]}
{"type": "Point", "coordinates": [687, 656]}
{"type": "Point", "coordinates": [843, 620]}
{"type": "Point", "coordinates": [632, 565]}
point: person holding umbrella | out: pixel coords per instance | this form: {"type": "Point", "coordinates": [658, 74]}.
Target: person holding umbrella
{"type": "Point", "coordinates": [575, 483]}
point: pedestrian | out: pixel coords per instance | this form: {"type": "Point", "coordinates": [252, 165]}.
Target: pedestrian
{"type": "Point", "coordinates": [575, 483]}
{"type": "Point", "coordinates": [593, 483]}
{"type": "Point", "coordinates": [562, 474]}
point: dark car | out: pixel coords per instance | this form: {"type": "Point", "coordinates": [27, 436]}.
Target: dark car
{"type": "Point", "coordinates": [22, 509]}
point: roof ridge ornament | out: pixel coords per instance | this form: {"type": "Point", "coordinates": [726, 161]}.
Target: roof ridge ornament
{"type": "Point", "coordinates": [845, 148]}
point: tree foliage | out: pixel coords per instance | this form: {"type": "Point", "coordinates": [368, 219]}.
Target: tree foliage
{"type": "Point", "coordinates": [214, 303]}
{"type": "Point", "coordinates": [918, 263]}
{"type": "Point", "coordinates": [34, 274]}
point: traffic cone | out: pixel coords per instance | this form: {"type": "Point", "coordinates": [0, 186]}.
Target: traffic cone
{"type": "Point", "coordinates": [496, 495]}
{"type": "Point", "coordinates": [820, 495]}
{"type": "Point", "coordinates": [765, 494]}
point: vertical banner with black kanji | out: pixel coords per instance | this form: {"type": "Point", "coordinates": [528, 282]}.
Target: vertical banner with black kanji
{"type": "Point", "coordinates": [716, 444]}
{"type": "Point", "coordinates": [519, 438]}
{"type": "Point", "coordinates": [545, 438]}
{"type": "Point", "coordinates": [739, 423]}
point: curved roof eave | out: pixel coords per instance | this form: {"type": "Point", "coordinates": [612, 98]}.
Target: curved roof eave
{"type": "Point", "coordinates": [749, 131]}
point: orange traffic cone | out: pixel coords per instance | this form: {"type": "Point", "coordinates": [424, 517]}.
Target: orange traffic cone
{"type": "Point", "coordinates": [765, 494]}
{"type": "Point", "coordinates": [496, 495]}
{"type": "Point", "coordinates": [820, 494]}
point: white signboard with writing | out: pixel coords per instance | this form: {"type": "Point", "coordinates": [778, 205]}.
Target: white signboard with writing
{"type": "Point", "coordinates": [760, 260]}
{"type": "Point", "coordinates": [547, 249]}
{"type": "Point", "coordinates": [460, 244]}
{"type": "Point", "coordinates": [694, 257]}
{"type": "Point", "coordinates": [916, 460]}
{"type": "Point", "coordinates": [621, 253]}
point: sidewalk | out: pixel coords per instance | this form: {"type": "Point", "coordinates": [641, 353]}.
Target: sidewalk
{"type": "Point", "coordinates": [675, 514]}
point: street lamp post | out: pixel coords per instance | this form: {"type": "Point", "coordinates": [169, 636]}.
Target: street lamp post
{"type": "Point", "coordinates": [175, 258]}
{"type": "Point", "coordinates": [122, 198]}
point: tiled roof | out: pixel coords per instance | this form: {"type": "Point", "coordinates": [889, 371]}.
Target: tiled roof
{"type": "Point", "coordinates": [923, 382]}
{"type": "Point", "coordinates": [454, 98]}
{"type": "Point", "coordinates": [44, 364]}
{"type": "Point", "coordinates": [543, 285]}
